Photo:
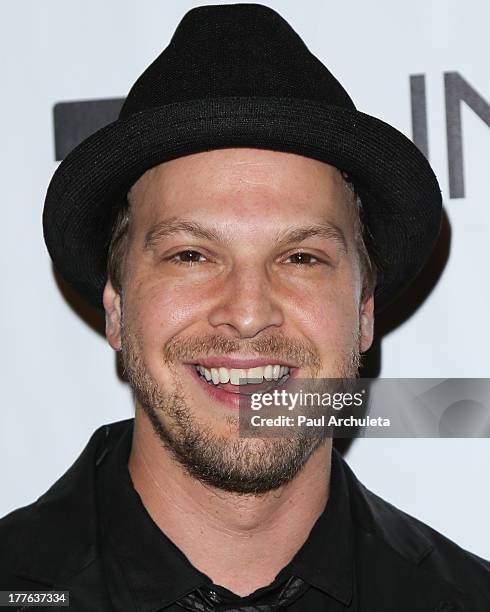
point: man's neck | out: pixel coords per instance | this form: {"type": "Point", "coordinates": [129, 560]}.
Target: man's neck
{"type": "Point", "coordinates": [240, 541]}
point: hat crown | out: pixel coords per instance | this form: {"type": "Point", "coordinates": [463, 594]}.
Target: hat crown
{"type": "Point", "coordinates": [234, 50]}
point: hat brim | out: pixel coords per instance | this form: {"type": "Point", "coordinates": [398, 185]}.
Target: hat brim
{"type": "Point", "coordinates": [400, 194]}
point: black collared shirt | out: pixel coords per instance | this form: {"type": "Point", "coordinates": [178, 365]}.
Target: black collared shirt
{"type": "Point", "coordinates": [90, 535]}
{"type": "Point", "coordinates": [146, 572]}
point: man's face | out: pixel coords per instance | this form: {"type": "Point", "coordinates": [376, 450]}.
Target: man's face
{"type": "Point", "coordinates": [237, 259]}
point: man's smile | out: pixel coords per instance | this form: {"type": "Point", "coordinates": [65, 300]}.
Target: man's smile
{"type": "Point", "coordinates": [224, 378]}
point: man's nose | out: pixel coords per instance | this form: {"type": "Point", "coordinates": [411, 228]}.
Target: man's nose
{"type": "Point", "coordinates": [246, 304]}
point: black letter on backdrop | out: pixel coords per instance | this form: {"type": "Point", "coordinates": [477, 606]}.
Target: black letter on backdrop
{"type": "Point", "coordinates": [419, 113]}
{"type": "Point", "coordinates": [458, 90]}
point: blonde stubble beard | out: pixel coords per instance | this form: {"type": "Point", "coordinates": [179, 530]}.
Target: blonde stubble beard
{"type": "Point", "coordinates": [247, 466]}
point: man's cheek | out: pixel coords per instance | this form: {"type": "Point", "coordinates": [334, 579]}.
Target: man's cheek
{"type": "Point", "coordinates": [164, 308]}
{"type": "Point", "coordinates": [329, 318]}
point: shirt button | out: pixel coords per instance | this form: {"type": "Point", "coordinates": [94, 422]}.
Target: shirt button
{"type": "Point", "coordinates": [213, 596]}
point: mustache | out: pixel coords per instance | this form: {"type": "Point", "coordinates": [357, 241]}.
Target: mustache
{"type": "Point", "coordinates": [300, 352]}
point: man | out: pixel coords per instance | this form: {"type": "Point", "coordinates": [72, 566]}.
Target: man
{"type": "Point", "coordinates": [241, 220]}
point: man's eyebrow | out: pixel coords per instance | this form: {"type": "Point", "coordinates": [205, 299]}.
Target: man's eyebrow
{"type": "Point", "coordinates": [323, 230]}
{"type": "Point", "coordinates": [174, 225]}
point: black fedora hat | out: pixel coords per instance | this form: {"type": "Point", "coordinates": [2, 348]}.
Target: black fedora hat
{"type": "Point", "coordinates": [239, 76]}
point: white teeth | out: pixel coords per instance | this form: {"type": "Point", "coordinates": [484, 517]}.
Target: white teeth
{"type": "Point", "coordinates": [224, 375]}
{"type": "Point", "coordinates": [255, 374]}
{"type": "Point", "coordinates": [237, 376]}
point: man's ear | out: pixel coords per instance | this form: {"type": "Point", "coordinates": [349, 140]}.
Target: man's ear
{"type": "Point", "coordinates": [112, 306]}
{"type": "Point", "coordinates": [366, 324]}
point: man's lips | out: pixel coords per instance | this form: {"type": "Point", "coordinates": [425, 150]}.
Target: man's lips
{"type": "Point", "coordinates": [235, 374]}
{"type": "Point", "coordinates": [230, 394]}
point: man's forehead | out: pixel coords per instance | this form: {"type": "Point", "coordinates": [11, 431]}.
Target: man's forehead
{"type": "Point", "coordinates": [241, 186]}
{"type": "Point", "coordinates": [242, 193]}
{"type": "Point", "coordinates": [219, 167]}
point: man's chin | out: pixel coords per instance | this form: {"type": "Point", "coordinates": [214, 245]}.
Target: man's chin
{"type": "Point", "coordinates": [229, 462]}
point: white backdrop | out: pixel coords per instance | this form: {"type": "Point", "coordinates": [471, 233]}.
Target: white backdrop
{"type": "Point", "coordinates": [59, 378]}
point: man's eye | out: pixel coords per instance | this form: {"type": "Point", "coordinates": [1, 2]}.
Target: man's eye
{"type": "Point", "coordinates": [188, 257]}
{"type": "Point", "coordinates": [303, 258]}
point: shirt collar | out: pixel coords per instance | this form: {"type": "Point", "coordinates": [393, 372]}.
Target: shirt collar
{"type": "Point", "coordinates": [158, 573]}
